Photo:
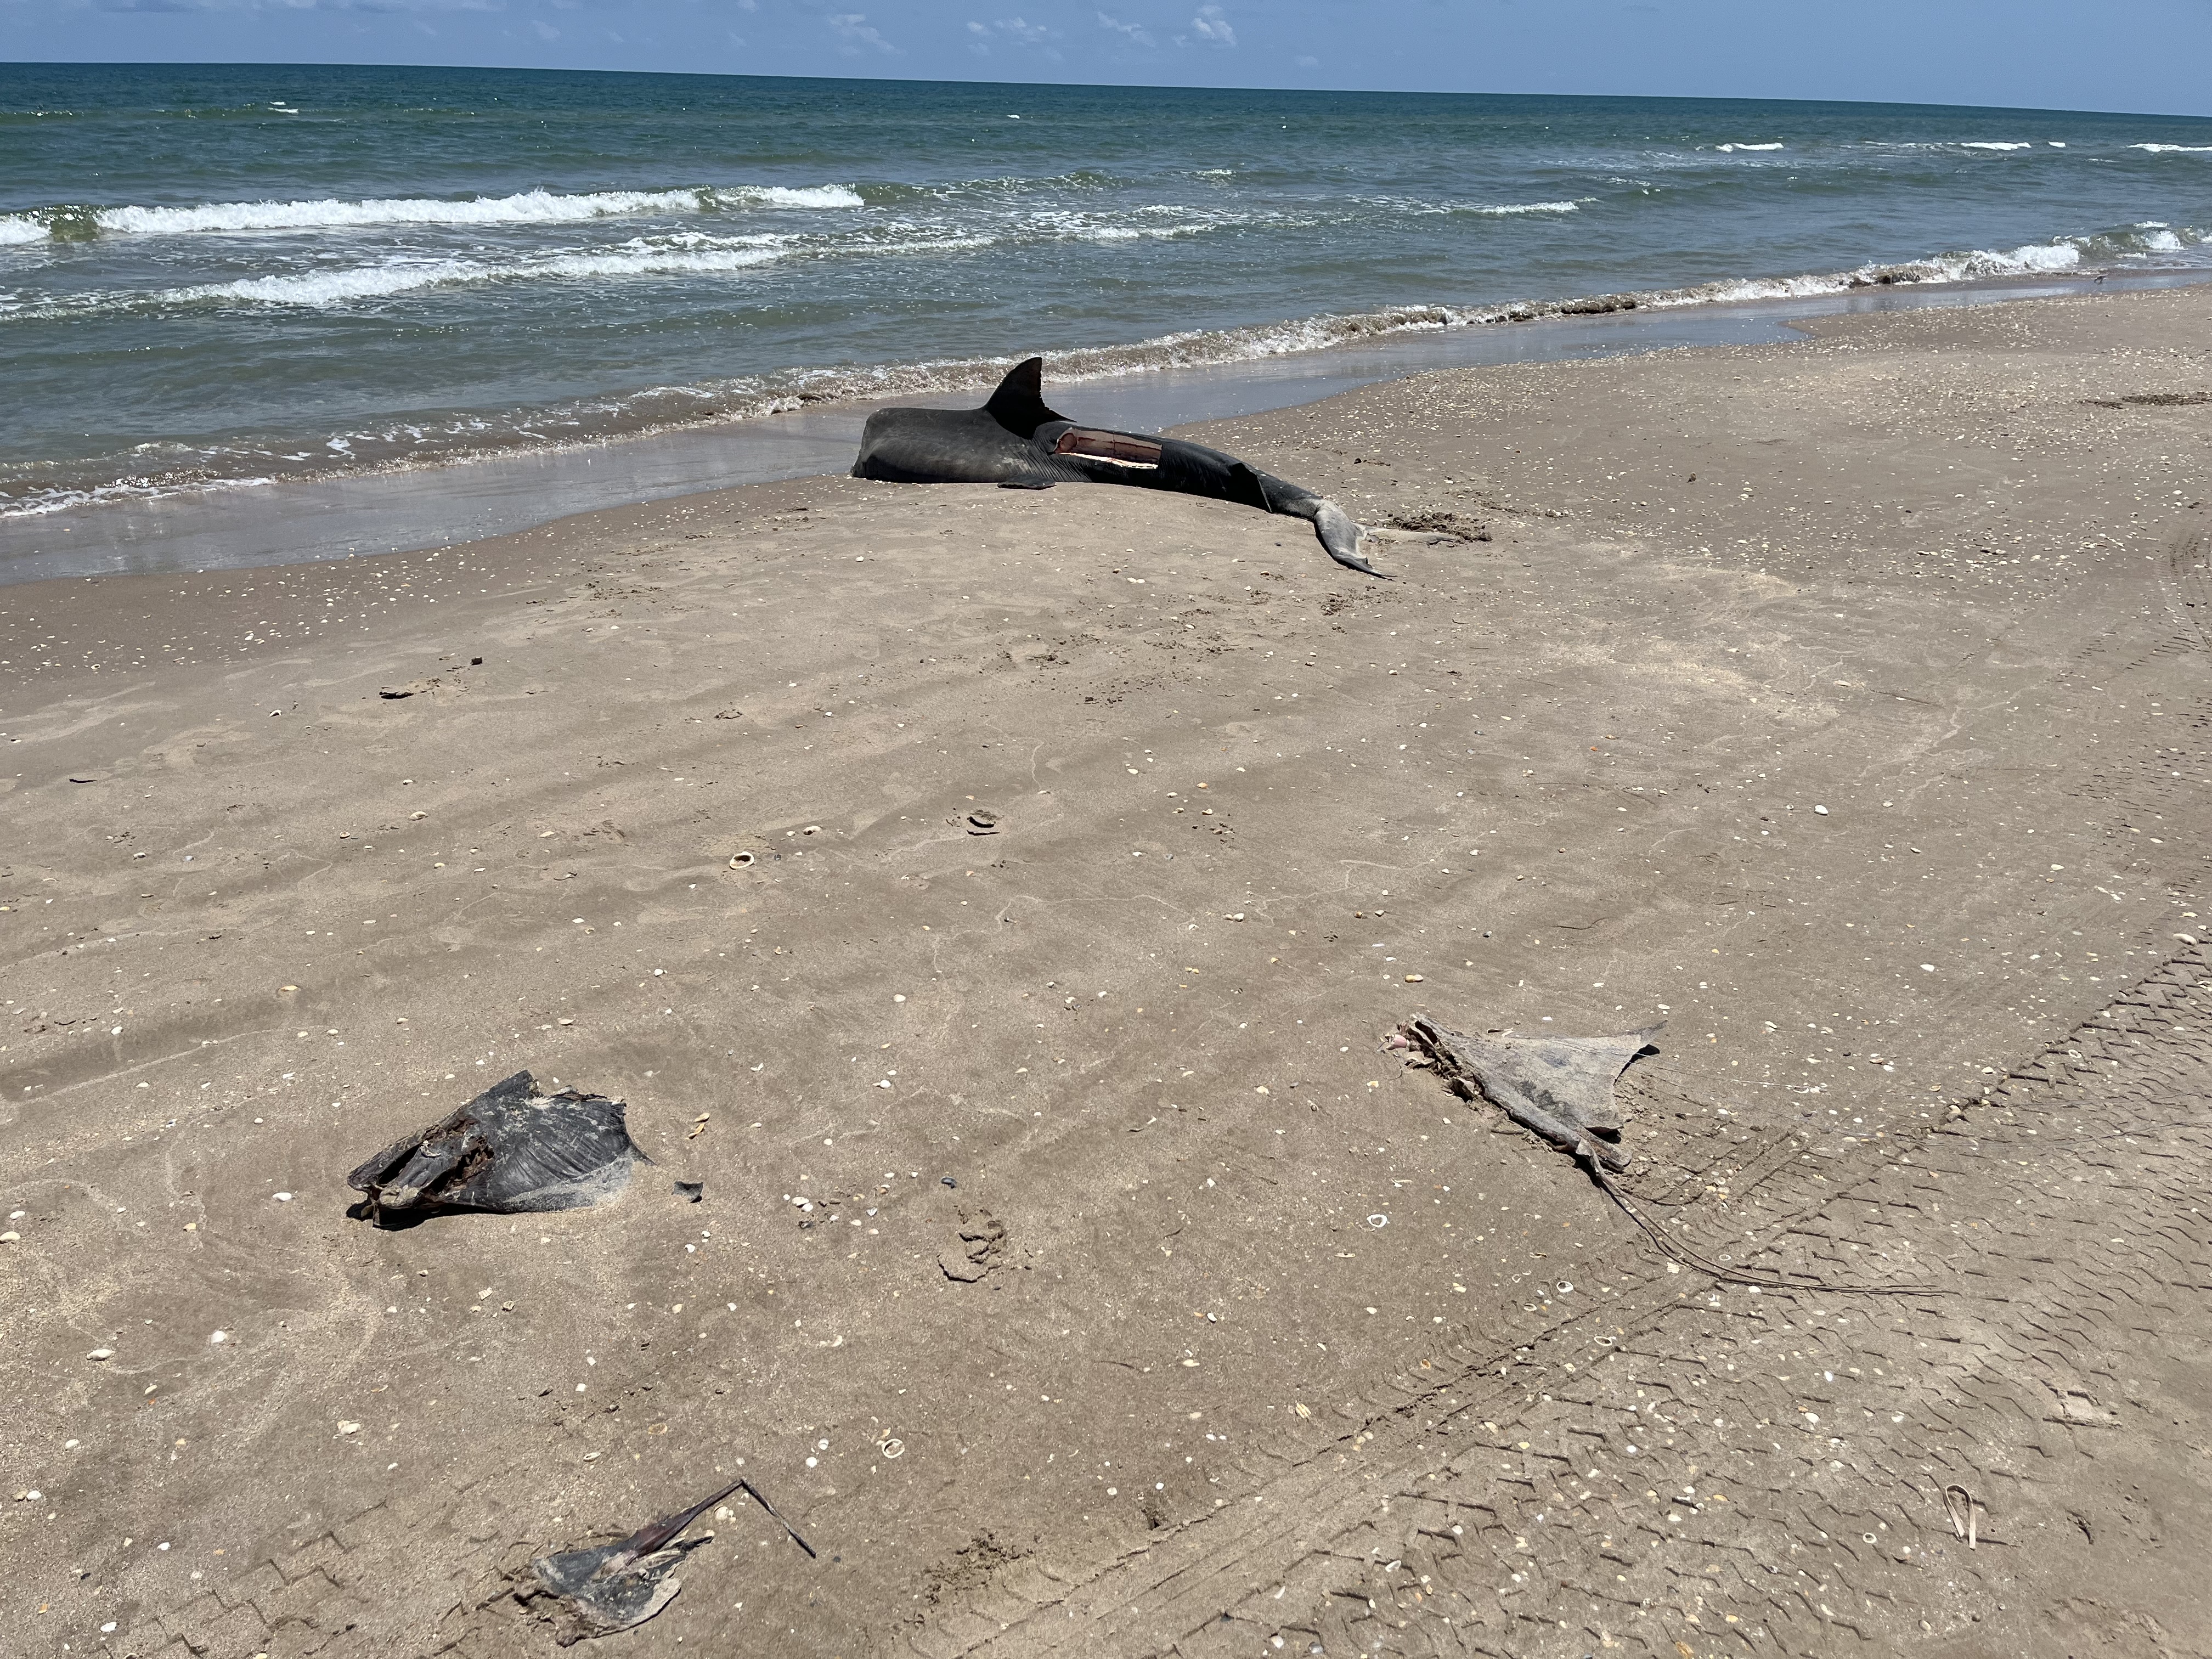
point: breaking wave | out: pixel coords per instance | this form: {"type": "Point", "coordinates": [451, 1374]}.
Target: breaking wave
{"type": "Point", "coordinates": [680, 255]}
{"type": "Point", "coordinates": [1510, 207]}
{"type": "Point", "coordinates": [534, 207]}
{"type": "Point", "coordinates": [1425, 206]}
{"type": "Point", "coordinates": [324, 287]}
{"type": "Point", "coordinates": [664, 254]}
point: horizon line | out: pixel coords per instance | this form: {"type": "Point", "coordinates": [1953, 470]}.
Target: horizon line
{"type": "Point", "coordinates": [1087, 86]}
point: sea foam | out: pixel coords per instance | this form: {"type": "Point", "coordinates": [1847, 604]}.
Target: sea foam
{"type": "Point", "coordinates": [534, 207]}
{"type": "Point", "coordinates": [332, 288]}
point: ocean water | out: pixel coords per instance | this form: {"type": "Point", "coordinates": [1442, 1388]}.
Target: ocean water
{"type": "Point", "coordinates": [212, 276]}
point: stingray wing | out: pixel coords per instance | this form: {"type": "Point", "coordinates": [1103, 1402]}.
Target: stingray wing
{"type": "Point", "coordinates": [560, 1152]}
{"type": "Point", "coordinates": [1559, 1087]}
{"type": "Point", "coordinates": [1570, 1078]}
{"type": "Point", "coordinates": [510, 1150]}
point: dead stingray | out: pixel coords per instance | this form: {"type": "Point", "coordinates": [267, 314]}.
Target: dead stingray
{"type": "Point", "coordinates": [508, 1151]}
{"type": "Point", "coordinates": [1561, 1087]}
{"type": "Point", "coordinates": [614, 1587]}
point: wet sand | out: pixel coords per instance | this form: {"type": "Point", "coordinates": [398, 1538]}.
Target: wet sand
{"type": "Point", "coordinates": [1275, 1340]}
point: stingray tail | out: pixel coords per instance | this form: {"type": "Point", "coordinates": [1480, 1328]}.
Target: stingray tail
{"type": "Point", "coordinates": [657, 1534]}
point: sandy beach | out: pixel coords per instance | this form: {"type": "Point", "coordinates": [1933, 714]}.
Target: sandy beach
{"type": "Point", "coordinates": [1081, 1275]}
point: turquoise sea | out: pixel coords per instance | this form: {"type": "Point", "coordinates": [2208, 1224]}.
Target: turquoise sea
{"type": "Point", "coordinates": [217, 275]}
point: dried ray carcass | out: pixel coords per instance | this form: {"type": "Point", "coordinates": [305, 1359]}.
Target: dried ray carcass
{"type": "Point", "coordinates": [1559, 1087]}
{"type": "Point", "coordinates": [512, 1149]}
{"type": "Point", "coordinates": [614, 1587]}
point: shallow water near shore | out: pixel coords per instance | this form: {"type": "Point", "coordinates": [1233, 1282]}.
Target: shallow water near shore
{"type": "Point", "coordinates": [399, 509]}
{"type": "Point", "coordinates": [216, 276]}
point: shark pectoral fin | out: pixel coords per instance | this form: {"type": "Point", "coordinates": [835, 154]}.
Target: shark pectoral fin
{"type": "Point", "coordinates": [1340, 535]}
{"type": "Point", "coordinates": [1254, 483]}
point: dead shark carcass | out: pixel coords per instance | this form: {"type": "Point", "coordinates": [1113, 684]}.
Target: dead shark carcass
{"type": "Point", "coordinates": [512, 1149]}
{"type": "Point", "coordinates": [1017, 442]}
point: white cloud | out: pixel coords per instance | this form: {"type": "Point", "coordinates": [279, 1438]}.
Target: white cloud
{"type": "Point", "coordinates": [1136, 32]}
{"type": "Point", "coordinates": [1018, 30]}
{"type": "Point", "coordinates": [853, 28]}
{"type": "Point", "coordinates": [1212, 25]}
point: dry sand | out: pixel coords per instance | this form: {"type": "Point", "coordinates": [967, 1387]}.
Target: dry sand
{"type": "Point", "coordinates": [1276, 1351]}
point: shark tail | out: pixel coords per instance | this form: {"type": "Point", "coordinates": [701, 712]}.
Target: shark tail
{"type": "Point", "coordinates": [1339, 531]}
{"type": "Point", "coordinates": [1340, 535]}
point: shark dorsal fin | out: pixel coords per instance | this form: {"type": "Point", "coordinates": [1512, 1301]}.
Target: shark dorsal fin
{"type": "Point", "coordinates": [1018, 404]}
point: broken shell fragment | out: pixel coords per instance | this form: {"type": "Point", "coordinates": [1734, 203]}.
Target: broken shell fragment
{"type": "Point", "coordinates": [512, 1150]}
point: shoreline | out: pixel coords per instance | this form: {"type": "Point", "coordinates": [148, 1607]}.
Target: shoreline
{"type": "Point", "coordinates": [972, 889]}
{"type": "Point", "coordinates": [409, 507]}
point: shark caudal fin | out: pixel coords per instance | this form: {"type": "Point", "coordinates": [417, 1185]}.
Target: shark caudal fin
{"type": "Point", "coordinates": [1340, 535]}
{"type": "Point", "coordinates": [1018, 404]}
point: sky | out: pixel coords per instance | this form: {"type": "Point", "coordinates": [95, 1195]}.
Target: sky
{"type": "Point", "coordinates": [2149, 56]}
